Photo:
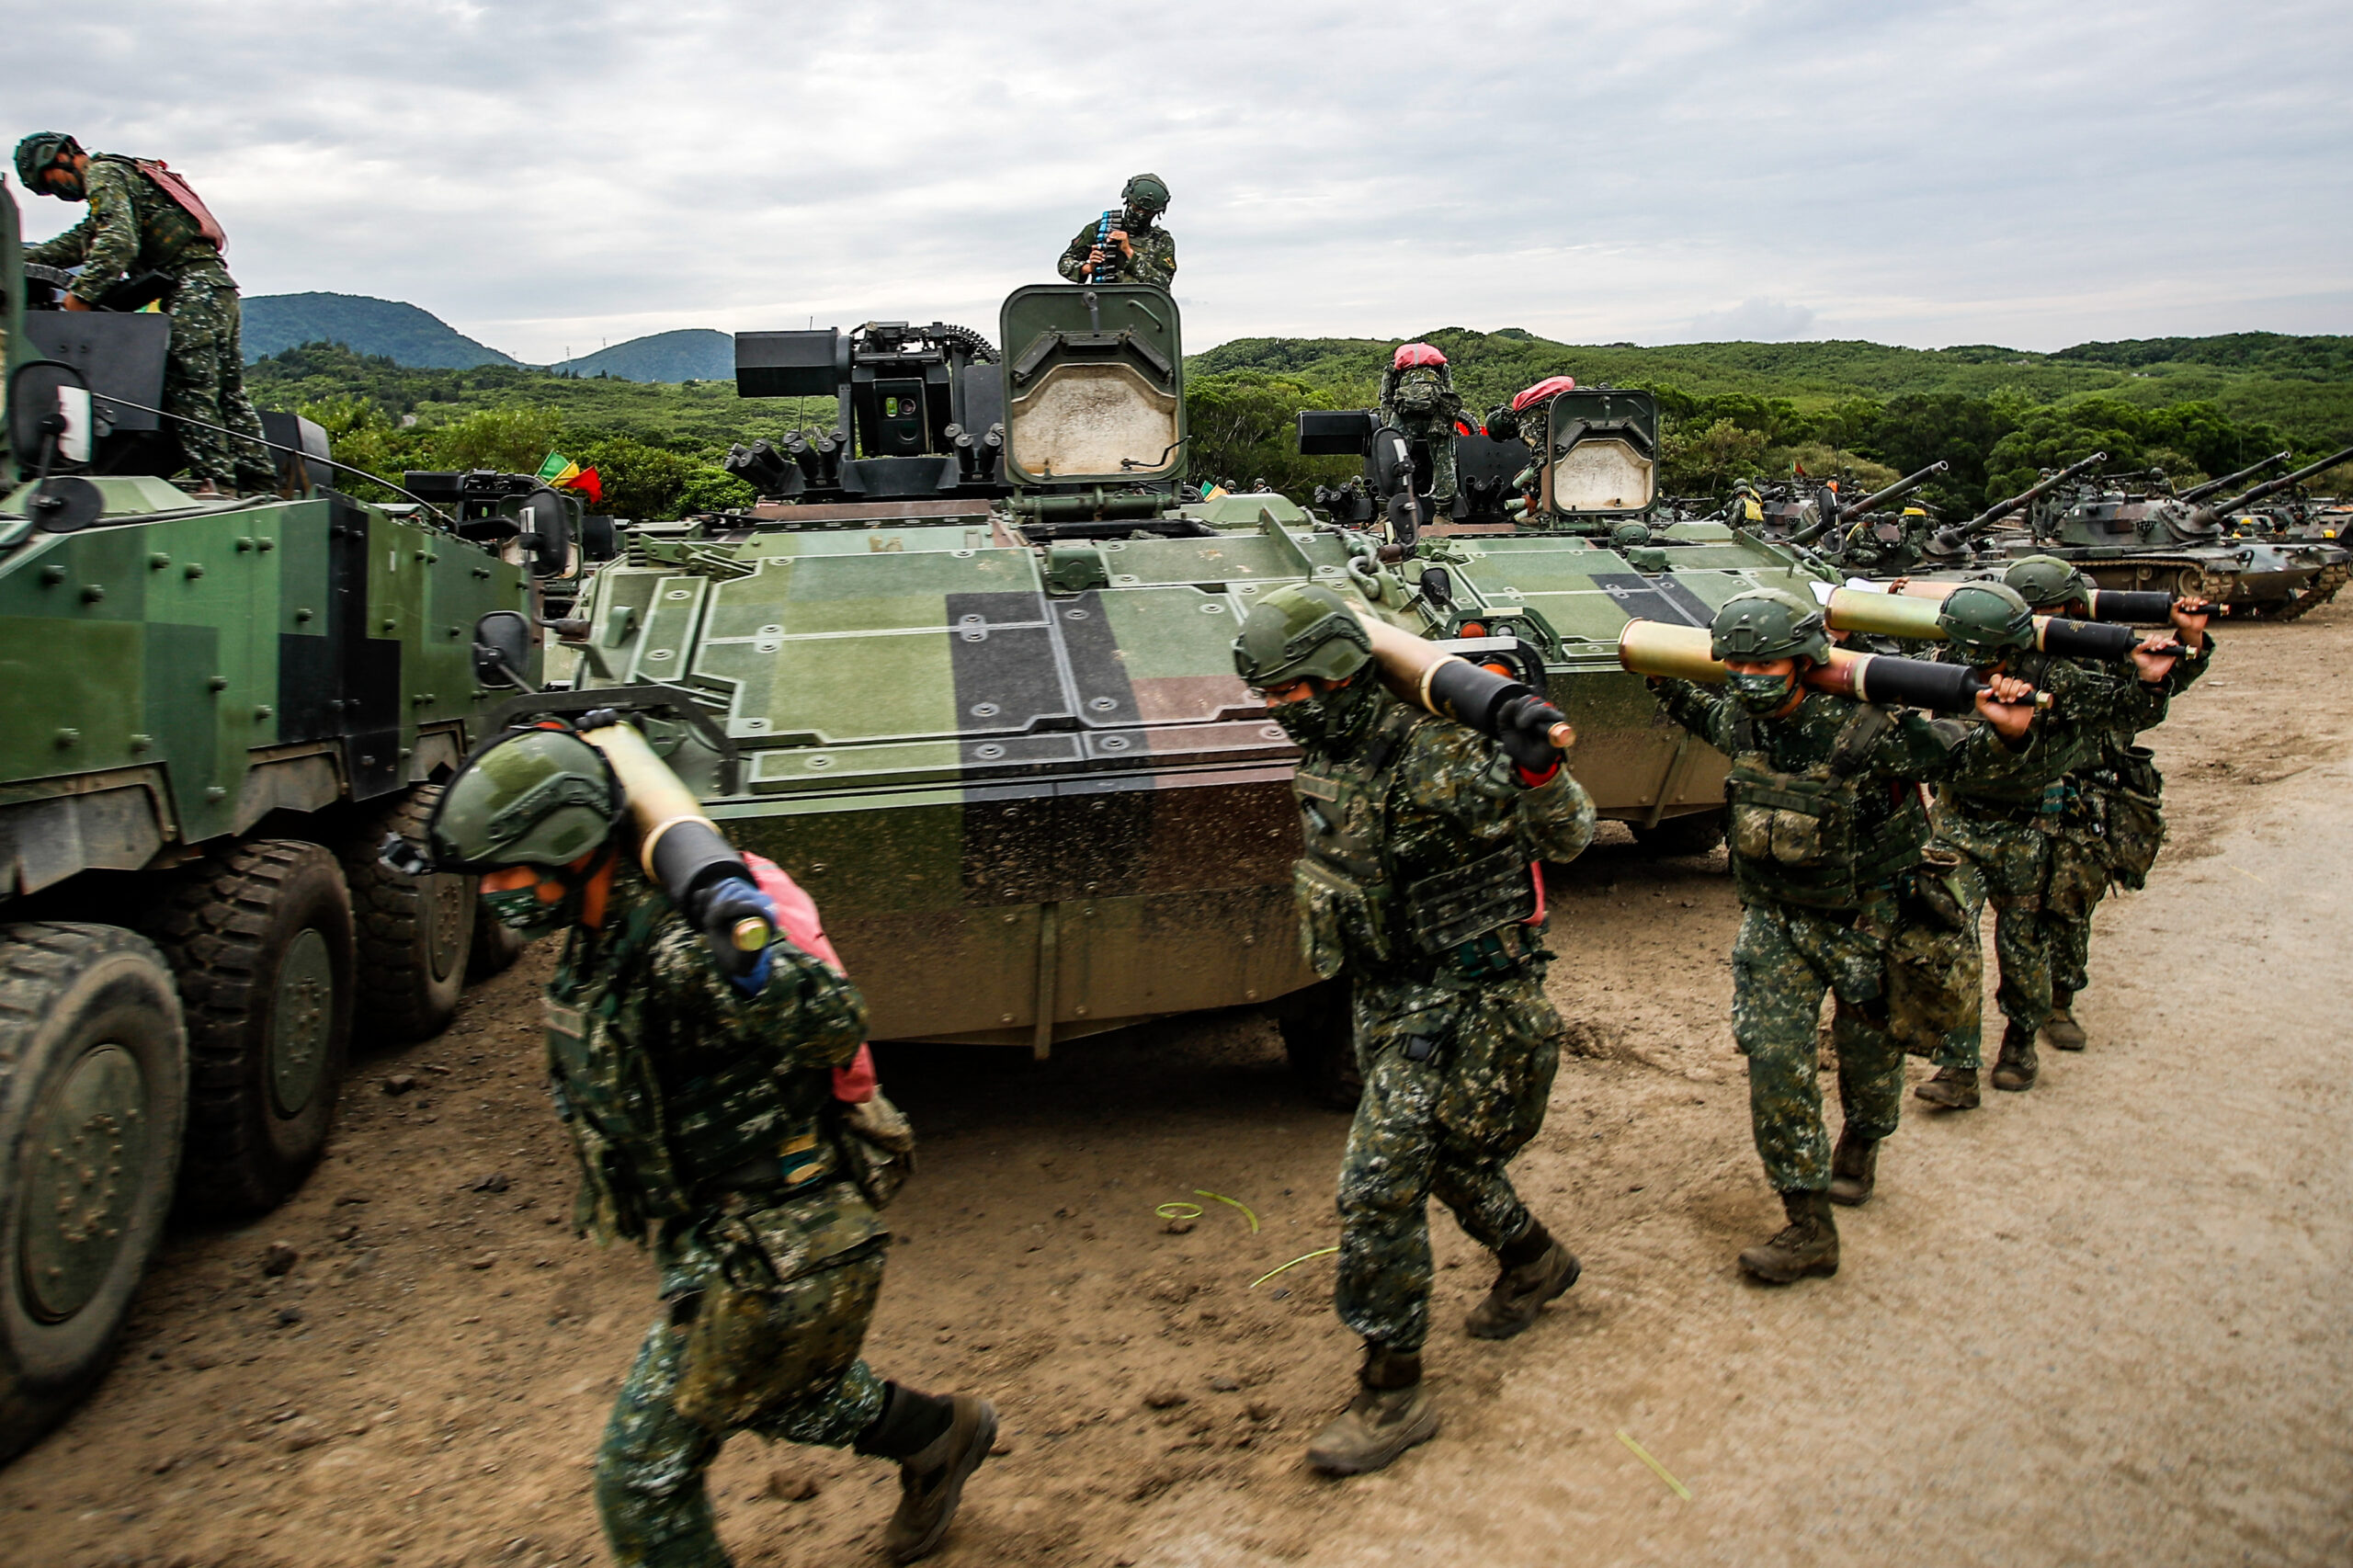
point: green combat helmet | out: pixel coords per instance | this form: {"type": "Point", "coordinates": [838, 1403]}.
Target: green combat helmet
{"type": "Point", "coordinates": [36, 152]}
{"type": "Point", "coordinates": [1146, 193]}
{"type": "Point", "coordinates": [1297, 631]}
{"type": "Point", "coordinates": [1764, 624]}
{"type": "Point", "coordinates": [1986, 621]}
{"type": "Point", "coordinates": [537, 797]}
{"type": "Point", "coordinates": [2046, 582]}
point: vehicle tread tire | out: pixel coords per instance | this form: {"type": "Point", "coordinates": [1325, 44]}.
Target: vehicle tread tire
{"type": "Point", "coordinates": [1318, 1028]}
{"type": "Point", "coordinates": [225, 927]}
{"type": "Point", "coordinates": [400, 999]}
{"type": "Point", "coordinates": [1693, 835]}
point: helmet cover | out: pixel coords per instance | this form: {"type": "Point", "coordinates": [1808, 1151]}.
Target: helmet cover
{"type": "Point", "coordinates": [536, 797]}
{"type": "Point", "coordinates": [1550, 386]}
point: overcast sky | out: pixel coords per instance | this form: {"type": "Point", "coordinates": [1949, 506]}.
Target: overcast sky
{"type": "Point", "coordinates": [549, 176]}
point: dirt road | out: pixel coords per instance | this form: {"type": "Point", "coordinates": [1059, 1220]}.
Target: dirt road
{"type": "Point", "coordinates": [2104, 1322]}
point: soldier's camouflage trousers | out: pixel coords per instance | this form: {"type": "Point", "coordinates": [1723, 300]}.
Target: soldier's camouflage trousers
{"type": "Point", "coordinates": [1440, 437]}
{"type": "Point", "coordinates": [1455, 1084]}
{"type": "Point", "coordinates": [1782, 961]}
{"type": "Point", "coordinates": [2043, 881]}
{"type": "Point", "coordinates": [781, 1361]}
{"type": "Point", "coordinates": [204, 378]}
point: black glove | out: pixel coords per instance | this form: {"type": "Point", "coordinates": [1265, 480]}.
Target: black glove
{"type": "Point", "coordinates": [1525, 724]}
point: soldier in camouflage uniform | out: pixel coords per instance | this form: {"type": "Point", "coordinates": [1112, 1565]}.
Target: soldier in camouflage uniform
{"type": "Point", "coordinates": [1418, 887]}
{"type": "Point", "coordinates": [2035, 847]}
{"type": "Point", "coordinates": [1417, 398]}
{"type": "Point", "coordinates": [1144, 252]}
{"type": "Point", "coordinates": [1529, 416]}
{"type": "Point", "coordinates": [137, 226]}
{"type": "Point", "coordinates": [1828, 842]}
{"type": "Point", "coordinates": [702, 1110]}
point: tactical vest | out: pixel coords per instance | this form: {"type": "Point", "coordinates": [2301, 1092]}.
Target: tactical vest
{"type": "Point", "coordinates": [1813, 839]}
{"type": "Point", "coordinates": [1352, 906]}
{"type": "Point", "coordinates": [657, 1149]}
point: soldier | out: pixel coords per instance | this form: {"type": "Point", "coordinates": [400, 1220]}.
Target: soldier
{"type": "Point", "coordinates": [144, 219]}
{"type": "Point", "coordinates": [1529, 416]}
{"type": "Point", "coordinates": [1417, 398]}
{"type": "Point", "coordinates": [1417, 886]}
{"type": "Point", "coordinates": [2026, 836]}
{"type": "Point", "coordinates": [1146, 254]}
{"type": "Point", "coordinates": [703, 1114]}
{"type": "Point", "coordinates": [1828, 842]}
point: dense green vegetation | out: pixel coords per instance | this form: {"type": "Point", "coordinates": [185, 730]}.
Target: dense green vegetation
{"type": "Point", "coordinates": [274, 322]}
{"type": "Point", "coordinates": [2191, 406]}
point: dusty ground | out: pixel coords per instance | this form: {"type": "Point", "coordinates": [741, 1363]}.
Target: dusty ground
{"type": "Point", "coordinates": [2102, 1323]}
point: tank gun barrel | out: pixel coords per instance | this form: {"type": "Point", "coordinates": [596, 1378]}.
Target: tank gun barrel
{"type": "Point", "coordinates": [1832, 515]}
{"type": "Point", "coordinates": [2270, 487]}
{"type": "Point", "coordinates": [2029, 495]}
{"type": "Point", "coordinates": [2216, 486]}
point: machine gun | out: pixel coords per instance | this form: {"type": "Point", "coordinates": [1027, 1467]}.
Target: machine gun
{"type": "Point", "coordinates": [1832, 514]}
{"type": "Point", "coordinates": [2216, 486]}
{"type": "Point", "coordinates": [1954, 541]}
{"type": "Point", "coordinates": [2271, 487]}
{"type": "Point", "coordinates": [919, 413]}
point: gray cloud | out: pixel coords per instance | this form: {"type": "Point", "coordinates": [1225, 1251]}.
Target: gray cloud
{"type": "Point", "coordinates": [1762, 321]}
{"type": "Point", "coordinates": [546, 175]}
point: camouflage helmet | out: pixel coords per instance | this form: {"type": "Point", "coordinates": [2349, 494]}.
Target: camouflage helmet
{"type": "Point", "coordinates": [1145, 193]}
{"type": "Point", "coordinates": [36, 152]}
{"type": "Point", "coordinates": [541, 797]}
{"type": "Point", "coordinates": [2045, 582]}
{"type": "Point", "coordinates": [1764, 624]}
{"type": "Point", "coordinates": [1300, 630]}
{"type": "Point", "coordinates": [1986, 620]}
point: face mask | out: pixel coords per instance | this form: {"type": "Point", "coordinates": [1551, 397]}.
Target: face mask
{"type": "Point", "coordinates": [65, 185]}
{"type": "Point", "coordinates": [1134, 222]}
{"type": "Point", "coordinates": [1329, 722]}
{"type": "Point", "coordinates": [522, 909]}
{"type": "Point", "coordinates": [1761, 694]}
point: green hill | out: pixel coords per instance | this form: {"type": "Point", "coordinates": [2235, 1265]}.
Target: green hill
{"type": "Point", "coordinates": [690, 354]}
{"type": "Point", "coordinates": [400, 331]}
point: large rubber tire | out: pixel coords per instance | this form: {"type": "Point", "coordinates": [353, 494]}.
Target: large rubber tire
{"type": "Point", "coordinates": [414, 935]}
{"type": "Point", "coordinates": [1691, 835]}
{"type": "Point", "coordinates": [496, 946]}
{"type": "Point", "coordinates": [1318, 1027]}
{"type": "Point", "coordinates": [93, 1098]}
{"type": "Point", "coordinates": [260, 938]}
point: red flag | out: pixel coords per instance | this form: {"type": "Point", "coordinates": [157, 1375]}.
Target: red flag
{"type": "Point", "coordinates": [588, 481]}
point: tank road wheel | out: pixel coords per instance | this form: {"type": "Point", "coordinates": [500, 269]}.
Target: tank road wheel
{"type": "Point", "coordinates": [1692, 834]}
{"type": "Point", "coordinates": [260, 936]}
{"type": "Point", "coordinates": [495, 947]}
{"type": "Point", "coordinates": [1319, 1034]}
{"type": "Point", "coordinates": [92, 1096]}
{"type": "Point", "coordinates": [413, 935]}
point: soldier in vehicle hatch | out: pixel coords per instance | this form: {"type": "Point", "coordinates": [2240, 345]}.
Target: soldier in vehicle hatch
{"type": "Point", "coordinates": [709, 1129]}
{"type": "Point", "coordinates": [1126, 245]}
{"type": "Point", "coordinates": [144, 219]}
{"type": "Point", "coordinates": [1418, 885]}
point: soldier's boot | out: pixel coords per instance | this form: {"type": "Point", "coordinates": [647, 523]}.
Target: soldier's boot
{"type": "Point", "coordinates": [1391, 1412]}
{"type": "Point", "coordinates": [1808, 1245]}
{"type": "Point", "coordinates": [1953, 1088]}
{"type": "Point", "coordinates": [2061, 1028]}
{"type": "Point", "coordinates": [1529, 1272]}
{"type": "Point", "coordinates": [2018, 1067]}
{"type": "Point", "coordinates": [1854, 1168]}
{"type": "Point", "coordinates": [931, 1479]}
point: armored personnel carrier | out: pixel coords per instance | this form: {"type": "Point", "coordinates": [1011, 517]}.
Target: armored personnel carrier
{"type": "Point", "coordinates": [983, 701]}
{"type": "Point", "coordinates": [217, 709]}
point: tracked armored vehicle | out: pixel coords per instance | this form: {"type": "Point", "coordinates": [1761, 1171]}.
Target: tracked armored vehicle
{"type": "Point", "coordinates": [985, 705]}
{"type": "Point", "coordinates": [217, 709]}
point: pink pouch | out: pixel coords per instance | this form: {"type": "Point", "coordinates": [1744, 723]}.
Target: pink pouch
{"type": "Point", "coordinates": [797, 914]}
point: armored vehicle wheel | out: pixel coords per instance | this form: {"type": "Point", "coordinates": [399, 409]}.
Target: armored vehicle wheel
{"type": "Point", "coordinates": [1318, 1027]}
{"type": "Point", "coordinates": [260, 936]}
{"type": "Point", "coordinates": [1696, 834]}
{"type": "Point", "coordinates": [92, 1096]}
{"type": "Point", "coordinates": [496, 946]}
{"type": "Point", "coordinates": [415, 934]}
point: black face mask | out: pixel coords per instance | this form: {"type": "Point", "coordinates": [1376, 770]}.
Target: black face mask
{"type": "Point", "coordinates": [1132, 222]}
{"type": "Point", "coordinates": [1332, 722]}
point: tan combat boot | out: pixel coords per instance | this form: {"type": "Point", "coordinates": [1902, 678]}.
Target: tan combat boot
{"type": "Point", "coordinates": [1390, 1413]}
{"type": "Point", "coordinates": [1808, 1245]}
{"type": "Point", "coordinates": [1854, 1168]}
{"type": "Point", "coordinates": [2018, 1067]}
{"type": "Point", "coordinates": [1953, 1088]}
{"type": "Point", "coordinates": [931, 1480]}
{"type": "Point", "coordinates": [1530, 1272]}
{"type": "Point", "coordinates": [2061, 1028]}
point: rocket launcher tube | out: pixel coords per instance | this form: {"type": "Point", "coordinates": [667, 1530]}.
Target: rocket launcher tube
{"type": "Point", "coordinates": [1915, 618]}
{"type": "Point", "coordinates": [684, 852]}
{"type": "Point", "coordinates": [2116, 607]}
{"type": "Point", "coordinates": [1657, 648]}
{"type": "Point", "coordinates": [1448, 685]}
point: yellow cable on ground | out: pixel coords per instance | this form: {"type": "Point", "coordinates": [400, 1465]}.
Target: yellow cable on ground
{"type": "Point", "coordinates": [1222, 1198]}
{"type": "Point", "coordinates": [1642, 1454]}
{"type": "Point", "coordinates": [1179, 1210]}
{"type": "Point", "coordinates": [1302, 1257]}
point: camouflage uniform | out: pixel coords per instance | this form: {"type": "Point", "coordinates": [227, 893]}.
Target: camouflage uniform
{"type": "Point", "coordinates": [1791, 950]}
{"type": "Point", "coordinates": [701, 1120]}
{"type": "Point", "coordinates": [134, 227]}
{"type": "Point", "coordinates": [1457, 1045]}
{"type": "Point", "coordinates": [1422, 403]}
{"type": "Point", "coordinates": [1154, 261]}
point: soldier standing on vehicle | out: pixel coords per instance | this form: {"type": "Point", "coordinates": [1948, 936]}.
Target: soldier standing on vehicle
{"type": "Point", "coordinates": [1417, 398]}
{"type": "Point", "coordinates": [1418, 886]}
{"type": "Point", "coordinates": [705, 1117]}
{"type": "Point", "coordinates": [1828, 841]}
{"type": "Point", "coordinates": [2026, 834]}
{"type": "Point", "coordinates": [144, 219]}
{"type": "Point", "coordinates": [1529, 416]}
{"type": "Point", "coordinates": [1126, 246]}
